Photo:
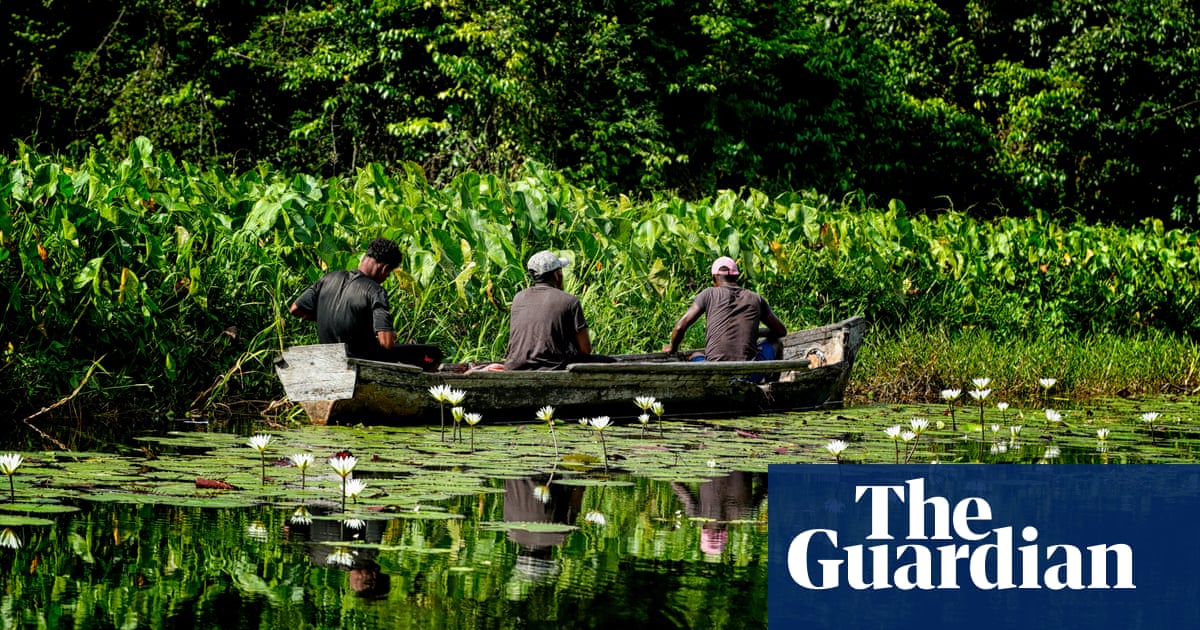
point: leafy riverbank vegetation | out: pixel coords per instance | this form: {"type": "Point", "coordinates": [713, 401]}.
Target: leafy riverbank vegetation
{"type": "Point", "coordinates": [1084, 107]}
{"type": "Point", "coordinates": [149, 285]}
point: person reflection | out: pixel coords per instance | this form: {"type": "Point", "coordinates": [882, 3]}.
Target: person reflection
{"type": "Point", "coordinates": [537, 500]}
{"type": "Point", "coordinates": [366, 577]}
{"type": "Point", "coordinates": [720, 500]}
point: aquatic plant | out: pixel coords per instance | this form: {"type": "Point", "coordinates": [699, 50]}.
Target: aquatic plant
{"type": "Point", "coordinates": [302, 461]}
{"type": "Point", "coordinates": [9, 464]}
{"type": "Point", "coordinates": [658, 410]}
{"type": "Point", "coordinates": [9, 538]}
{"type": "Point", "coordinates": [351, 488]}
{"type": "Point", "coordinates": [547, 414]}
{"type": "Point", "coordinates": [600, 423]}
{"type": "Point", "coordinates": [894, 433]}
{"type": "Point", "coordinates": [1046, 384]}
{"type": "Point", "coordinates": [343, 465]}
{"type": "Point", "coordinates": [259, 443]}
{"type": "Point", "coordinates": [644, 419]}
{"type": "Point", "coordinates": [835, 448]}
{"type": "Point", "coordinates": [457, 414]}
{"type": "Point", "coordinates": [1003, 407]}
{"type": "Point", "coordinates": [473, 419]}
{"type": "Point", "coordinates": [1053, 417]}
{"type": "Point", "coordinates": [439, 393]}
{"type": "Point", "coordinates": [951, 395]}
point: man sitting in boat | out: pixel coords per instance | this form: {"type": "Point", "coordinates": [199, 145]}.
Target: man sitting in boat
{"type": "Point", "coordinates": [547, 330]}
{"type": "Point", "coordinates": [351, 307]}
{"type": "Point", "coordinates": [732, 317]}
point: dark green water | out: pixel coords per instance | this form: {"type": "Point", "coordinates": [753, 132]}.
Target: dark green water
{"type": "Point", "coordinates": [508, 527]}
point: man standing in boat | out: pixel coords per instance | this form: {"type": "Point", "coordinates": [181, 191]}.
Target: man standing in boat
{"type": "Point", "coordinates": [351, 307]}
{"type": "Point", "coordinates": [732, 315]}
{"type": "Point", "coordinates": [547, 330]}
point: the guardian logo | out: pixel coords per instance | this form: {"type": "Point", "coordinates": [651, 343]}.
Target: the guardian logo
{"type": "Point", "coordinates": [947, 545]}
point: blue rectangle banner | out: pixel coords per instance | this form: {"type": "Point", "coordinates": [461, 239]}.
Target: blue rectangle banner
{"type": "Point", "coordinates": [984, 546]}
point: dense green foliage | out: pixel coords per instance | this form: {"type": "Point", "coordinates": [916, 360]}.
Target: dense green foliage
{"type": "Point", "coordinates": [1084, 107]}
{"type": "Point", "coordinates": [174, 280]}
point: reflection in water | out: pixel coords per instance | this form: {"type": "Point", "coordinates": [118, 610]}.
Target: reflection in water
{"type": "Point", "coordinates": [9, 538]}
{"type": "Point", "coordinates": [322, 535]}
{"type": "Point", "coordinates": [718, 501]}
{"type": "Point", "coordinates": [166, 566]}
{"type": "Point", "coordinates": [537, 499]}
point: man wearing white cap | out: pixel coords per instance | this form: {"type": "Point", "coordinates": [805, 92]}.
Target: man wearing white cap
{"type": "Point", "coordinates": [732, 315]}
{"type": "Point", "coordinates": [547, 330]}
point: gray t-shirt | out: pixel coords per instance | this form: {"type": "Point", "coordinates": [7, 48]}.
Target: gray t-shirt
{"type": "Point", "coordinates": [731, 318]}
{"type": "Point", "coordinates": [542, 329]}
{"type": "Point", "coordinates": [350, 308]}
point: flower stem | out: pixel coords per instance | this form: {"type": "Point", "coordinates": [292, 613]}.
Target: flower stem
{"type": "Point", "coordinates": [604, 447]}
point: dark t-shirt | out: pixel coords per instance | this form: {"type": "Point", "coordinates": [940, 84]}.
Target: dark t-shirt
{"type": "Point", "coordinates": [350, 308]}
{"type": "Point", "coordinates": [731, 318]}
{"type": "Point", "coordinates": [542, 330]}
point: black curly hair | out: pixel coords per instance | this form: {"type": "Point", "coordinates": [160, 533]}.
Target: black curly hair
{"type": "Point", "coordinates": [385, 251]}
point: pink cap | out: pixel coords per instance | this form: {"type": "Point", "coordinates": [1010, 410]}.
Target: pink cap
{"type": "Point", "coordinates": [712, 541]}
{"type": "Point", "coordinates": [727, 263]}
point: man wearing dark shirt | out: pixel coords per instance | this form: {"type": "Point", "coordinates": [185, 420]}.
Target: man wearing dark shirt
{"type": "Point", "coordinates": [547, 330]}
{"type": "Point", "coordinates": [732, 315]}
{"type": "Point", "coordinates": [351, 307]}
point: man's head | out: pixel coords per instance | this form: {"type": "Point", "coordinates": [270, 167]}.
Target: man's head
{"type": "Point", "coordinates": [725, 268]}
{"type": "Point", "coordinates": [383, 255]}
{"type": "Point", "coordinates": [544, 264]}
{"type": "Point", "coordinates": [385, 251]}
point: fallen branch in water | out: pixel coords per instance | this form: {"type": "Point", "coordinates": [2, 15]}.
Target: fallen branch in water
{"type": "Point", "coordinates": [60, 403]}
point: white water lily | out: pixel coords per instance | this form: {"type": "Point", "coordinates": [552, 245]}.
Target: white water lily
{"type": "Point", "coordinates": [9, 538]}
{"type": "Point", "coordinates": [260, 442]}
{"type": "Point", "coordinates": [919, 425]}
{"type": "Point", "coordinates": [644, 418]}
{"type": "Point", "coordinates": [1002, 406]}
{"type": "Point", "coordinates": [458, 413]}
{"type": "Point", "coordinates": [1053, 416]}
{"type": "Point", "coordinates": [644, 402]}
{"type": "Point", "coordinates": [657, 408]}
{"type": "Point", "coordinates": [354, 487]}
{"type": "Point", "coordinates": [341, 556]}
{"type": "Point", "coordinates": [355, 524]}
{"type": "Point", "coordinates": [302, 461]}
{"type": "Point", "coordinates": [545, 414]}
{"type": "Point", "coordinates": [455, 396]}
{"type": "Point", "coordinates": [980, 394]}
{"type": "Point", "coordinates": [343, 465]}
{"type": "Point", "coordinates": [473, 418]}
{"type": "Point", "coordinates": [1047, 383]}
{"type": "Point", "coordinates": [995, 428]}
{"type": "Point", "coordinates": [836, 447]}
{"type": "Point", "coordinates": [893, 432]}
{"type": "Point", "coordinates": [600, 422]}
{"type": "Point", "coordinates": [10, 462]}
{"type": "Point", "coordinates": [257, 531]}
{"type": "Point", "coordinates": [981, 383]}
{"type": "Point", "coordinates": [439, 392]}
{"type": "Point", "coordinates": [301, 516]}
{"type": "Point", "coordinates": [951, 394]}
{"type": "Point", "coordinates": [1102, 434]}
{"type": "Point", "coordinates": [1150, 417]}
{"type": "Point", "coordinates": [542, 493]}
{"type": "Point", "coordinates": [1014, 430]}
{"type": "Point", "coordinates": [908, 436]}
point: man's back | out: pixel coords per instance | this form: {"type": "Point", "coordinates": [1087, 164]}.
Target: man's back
{"type": "Point", "coordinates": [348, 305]}
{"type": "Point", "coordinates": [732, 314]}
{"type": "Point", "coordinates": [543, 329]}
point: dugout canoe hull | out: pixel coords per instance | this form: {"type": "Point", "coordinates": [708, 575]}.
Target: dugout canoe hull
{"type": "Point", "coordinates": [336, 389]}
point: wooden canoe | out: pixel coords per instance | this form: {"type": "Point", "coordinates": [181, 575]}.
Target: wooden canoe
{"type": "Point", "coordinates": [813, 371]}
